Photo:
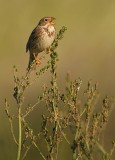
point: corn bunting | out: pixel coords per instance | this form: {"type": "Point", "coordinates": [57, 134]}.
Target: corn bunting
{"type": "Point", "coordinates": [40, 39]}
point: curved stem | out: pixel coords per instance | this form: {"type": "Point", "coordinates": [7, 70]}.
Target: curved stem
{"type": "Point", "coordinates": [20, 133]}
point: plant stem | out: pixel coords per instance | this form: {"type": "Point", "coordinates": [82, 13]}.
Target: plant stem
{"type": "Point", "coordinates": [25, 154]}
{"type": "Point", "coordinates": [20, 133]}
{"type": "Point", "coordinates": [39, 150]}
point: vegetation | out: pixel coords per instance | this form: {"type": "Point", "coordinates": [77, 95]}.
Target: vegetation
{"type": "Point", "coordinates": [67, 118]}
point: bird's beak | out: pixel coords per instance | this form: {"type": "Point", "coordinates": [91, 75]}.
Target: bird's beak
{"type": "Point", "coordinates": [52, 21]}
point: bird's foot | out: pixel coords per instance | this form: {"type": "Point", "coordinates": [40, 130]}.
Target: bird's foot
{"type": "Point", "coordinates": [37, 61]}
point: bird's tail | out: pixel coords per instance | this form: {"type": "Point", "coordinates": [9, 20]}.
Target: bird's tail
{"type": "Point", "coordinates": [31, 62]}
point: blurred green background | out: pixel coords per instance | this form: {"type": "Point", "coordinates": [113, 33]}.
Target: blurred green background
{"type": "Point", "coordinates": [87, 51]}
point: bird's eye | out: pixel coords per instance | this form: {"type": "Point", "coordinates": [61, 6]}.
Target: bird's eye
{"type": "Point", "coordinates": [46, 20]}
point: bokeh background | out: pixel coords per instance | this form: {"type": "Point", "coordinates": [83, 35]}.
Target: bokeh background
{"type": "Point", "coordinates": [87, 51]}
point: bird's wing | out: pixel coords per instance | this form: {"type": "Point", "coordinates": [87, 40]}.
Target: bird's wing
{"type": "Point", "coordinates": [31, 40]}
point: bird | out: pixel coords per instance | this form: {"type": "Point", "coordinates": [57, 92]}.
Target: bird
{"type": "Point", "coordinates": [40, 39]}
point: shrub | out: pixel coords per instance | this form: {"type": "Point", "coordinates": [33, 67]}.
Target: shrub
{"type": "Point", "coordinates": [67, 118]}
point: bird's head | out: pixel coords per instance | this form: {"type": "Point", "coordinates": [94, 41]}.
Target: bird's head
{"type": "Point", "coordinates": [47, 21]}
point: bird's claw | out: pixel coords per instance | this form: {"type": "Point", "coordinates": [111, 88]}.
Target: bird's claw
{"type": "Point", "coordinates": [37, 61]}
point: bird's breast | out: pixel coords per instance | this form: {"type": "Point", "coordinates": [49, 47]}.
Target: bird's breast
{"type": "Point", "coordinates": [47, 38]}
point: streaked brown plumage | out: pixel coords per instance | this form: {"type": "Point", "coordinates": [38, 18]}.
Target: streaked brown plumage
{"type": "Point", "coordinates": [41, 38]}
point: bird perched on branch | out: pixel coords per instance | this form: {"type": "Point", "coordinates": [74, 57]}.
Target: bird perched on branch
{"type": "Point", "coordinates": [40, 39]}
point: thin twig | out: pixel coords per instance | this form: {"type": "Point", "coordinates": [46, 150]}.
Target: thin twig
{"type": "Point", "coordinates": [25, 154]}
{"type": "Point", "coordinates": [31, 109]}
{"type": "Point", "coordinates": [12, 131]}
{"type": "Point", "coordinates": [64, 135]}
{"type": "Point", "coordinates": [38, 150]}
{"type": "Point", "coordinates": [10, 121]}
{"type": "Point", "coordinates": [20, 133]}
